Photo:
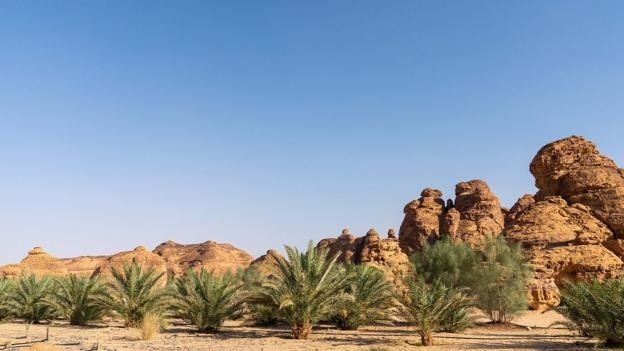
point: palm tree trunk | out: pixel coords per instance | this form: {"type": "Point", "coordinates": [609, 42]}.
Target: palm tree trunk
{"type": "Point", "coordinates": [426, 339]}
{"type": "Point", "coordinates": [301, 331]}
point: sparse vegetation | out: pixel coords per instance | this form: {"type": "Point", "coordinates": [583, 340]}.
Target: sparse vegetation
{"type": "Point", "coordinates": [430, 307]}
{"type": "Point", "coordinates": [151, 325]}
{"type": "Point", "coordinates": [303, 287]}
{"type": "Point", "coordinates": [367, 298]}
{"type": "Point", "coordinates": [134, 292]}
{"type": "Point", "coordinates": [500, 280]}
{"type": "Point", "coordinates": [596, 309]}
{"type": "Point", "coordinates": [206, 301]}
{"type": "Point", "coordinates": [29, 300]}
{"type": "Point", "coordinates": [79, 299]}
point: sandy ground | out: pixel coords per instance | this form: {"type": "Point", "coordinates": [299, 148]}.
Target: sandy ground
{"type": "Point", "coordinates": [234, 338]}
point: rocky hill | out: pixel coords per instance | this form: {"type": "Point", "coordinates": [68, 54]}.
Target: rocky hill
{"type": "Point", "coordinates": [571, 229]}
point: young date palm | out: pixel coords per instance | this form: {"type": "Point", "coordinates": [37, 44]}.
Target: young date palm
{"type": "Point", "coordinates": [595, 309]}
{"type": "Point", "coordinates": [303, 287]}
{"type": "Point", "coordinates": [79, 299]}
{"type": "Point", "coordinates": [134, 292]}
{"type": "Point", "coordinates": [29, 299]}
{"type": "Point", "coordinates": [430, 306]}
{"type": "Point", "coordinates": [6, 288]}
{"type": "Point", "coordinates": [206, 300]}
{"type": "Point", "coordinates": [367, 298]}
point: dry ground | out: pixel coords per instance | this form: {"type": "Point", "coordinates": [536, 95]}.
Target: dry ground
{"type": "Point", "coordinates": [235, 338]}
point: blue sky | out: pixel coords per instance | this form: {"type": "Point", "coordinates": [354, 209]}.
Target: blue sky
{"type": "Point", "coordinates": [259, 123]}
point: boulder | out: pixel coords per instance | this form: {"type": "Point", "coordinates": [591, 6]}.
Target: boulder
{"type": "Point", "coordinates": [212, 256]}
{"type": "Point", "coordinates": [480, 214]}
{"type": "Point", "coordinates": [574, 169]}
{"type": "Point", "coordinates": [421, 224]}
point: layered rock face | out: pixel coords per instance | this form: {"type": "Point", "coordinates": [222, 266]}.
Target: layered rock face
{"type": "Point", "coordinates": [475, 214]}
{"type": "Point", "coordinates": [40, 263]}
{"type": "Point", "coordinates": [212, 256]}
{"type": "Point", "coordinates": [384, 254]}
{"type": "Point", "coordinates": [571, 229]}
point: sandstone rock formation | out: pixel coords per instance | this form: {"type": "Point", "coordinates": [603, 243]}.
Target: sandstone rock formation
{"type": "Point", "coordinates": [384, 254]}
{"type": "Point", "coordinates": [40, 263]}
{"type": "Point", "coordinates": [265, 264]}
{"type": "Point", "coordinates": [139, 255]}
{"type": "Point", "coordinates": [212, 256]}
{"type": "Point", "coordinates": [574, 169]}
{"type": "Point", "coordinates": [475, 214]}
{"type": "Point", "coordinates": [572, 229]}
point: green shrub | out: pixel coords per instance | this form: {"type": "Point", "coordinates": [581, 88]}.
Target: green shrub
{"type": "Point", "coordinates": [79, 299]}
{"type": "Point", "coordinates": [595, 309]}
{"type": "Point", "coordinates": [499, 281]}
{"type": "Point", "coordinates": [447, 262]}
{"type": "Point", "coordinates": [206, 300]}
{"type": "Point", "coordinates": [428, 307]}
{"type": "Point", "coordinates": [261, 314]}
{"type": "Point", "coordinates": [30, 301]}
{"type": "Point", "coordinates": [367, 298]}
{"type": "Point", "coordinates": [304, 288]}
{"type": "Point", "coordinates": [6, 289]}
{"type": "Point", "coordinates": [133, 293]}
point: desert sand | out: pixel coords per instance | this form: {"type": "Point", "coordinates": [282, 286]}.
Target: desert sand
{"type": "Point", "coordinates": [530, 331]}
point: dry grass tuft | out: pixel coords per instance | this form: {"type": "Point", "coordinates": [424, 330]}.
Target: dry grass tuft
{"type": "Point", "coordinates": [151, 326]}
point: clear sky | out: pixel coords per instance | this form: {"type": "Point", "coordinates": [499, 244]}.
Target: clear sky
{"type": "Point", "coordinates": [259, 123]}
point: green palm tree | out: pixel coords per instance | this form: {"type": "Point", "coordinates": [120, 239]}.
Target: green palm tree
{"type": "Point", "coordinates": [302, 288]}
{"type": "Point", "coordinates": [134, 292]}
{"type": "Point", "coordinates": [206, 300]}
{"type": "Point", "coordinates": [6, 289]}
{"type": "Point", "coordinates": [367, 298]}
{"type": "Point", "coordinates": [79, 299]}
{"type": "Point", "coordinates": [30, 299]}
{"type": "Point", "coordinates": [430, 306]}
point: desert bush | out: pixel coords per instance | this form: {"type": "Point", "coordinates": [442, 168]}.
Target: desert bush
{"type": "Point", "coordinates": [447, 262]}
{"type": "Point", "coordinates": [134, 292]}
{"type": "Point", "coordinates": [367, 298]}
{"type": "Point", "coordinates": [206, 300]}
{"type": "Point", "coordinates": [79, 299]}
{"type": "Point", "coordinates": [304, 287]}
{"type": "Point", "coordinates": [6, 288]}
{"type": "Point", "coordinates": [151, 325]}
{"type": "Point", "coordinates": [428, 307]}
{"type": "Point", "coordinates": [499, 281]}
{"type": "Point", "coordinates": [262, 315]}
{"type": "Point", "coordinates": [595, 309]}
{"type": "Point", "coordinates": [29, 300]}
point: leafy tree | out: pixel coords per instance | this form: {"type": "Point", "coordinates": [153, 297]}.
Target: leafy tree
{"type": "Point", "coordinates": [134, 292]}
{"type": "Point", "coordinates": [595, 309]}
{"type": "Point", "coordinates": [29, 299]}
{"type": "Point", "coordinates": [79, 299]}
{"type": "Point", "coordinates": [447, 262]}
{"type": "Point", "coordinates": [303, 287]}
{"type": "Point", "coordinates": [206, 300]}
{"type": "Point", "coordinates": [367, 298]}
{"type": "Point", "coordinates": [430, 307]}
{"type": "Point", "coordinates": [499, 281]}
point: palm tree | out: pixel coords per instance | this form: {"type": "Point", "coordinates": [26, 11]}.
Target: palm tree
{"type": "Point", "coordinates": [79, 299]}
{"type": "Point", "coordinates": [29, 299]}
{"type": "Point", "coordinates": [302, 288]}
{"type": "Point", "coordinates": [206, 300]}
{"type": "Point", "coordinates": [367, 298]}
{"type": "Point", "coordinates": [6, 288]}
{"type": "Point", "coordinates": [430, 306]}
{"type": "Point", "coordinates": [134, 292]}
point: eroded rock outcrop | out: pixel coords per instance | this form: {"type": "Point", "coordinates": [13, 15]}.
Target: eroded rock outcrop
{"type": "Point", "coordinates": [382, 253]}
{"type": "Point", "coordinates": [475, 214]}
{"type": "Point", "coordinates": [40, 263]}
{"type": "Point", "coordinates": [212, 256]}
